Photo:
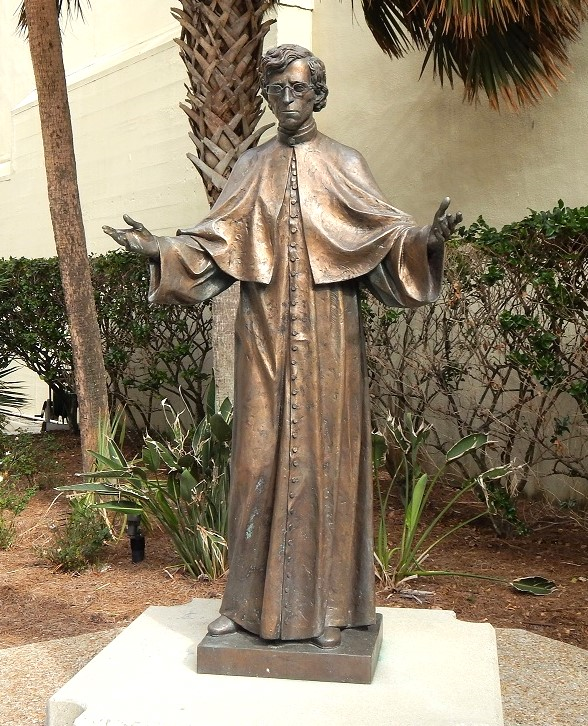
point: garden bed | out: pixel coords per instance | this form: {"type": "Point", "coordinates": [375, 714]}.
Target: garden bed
{"type": "Point", "coordinates": [39, 602]}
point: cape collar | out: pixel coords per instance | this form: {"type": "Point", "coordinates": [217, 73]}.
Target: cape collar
{"type": "Point", "coordinates": [305, 134]}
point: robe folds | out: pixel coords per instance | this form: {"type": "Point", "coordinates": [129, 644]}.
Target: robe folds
{"type": "Point", "coordinates": [302, 227]}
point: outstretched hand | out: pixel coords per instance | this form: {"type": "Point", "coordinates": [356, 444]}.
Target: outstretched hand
{"type": "Point", "coordinates": [444, 224]}
{"type": "Point", "coordinates": [136, 239]}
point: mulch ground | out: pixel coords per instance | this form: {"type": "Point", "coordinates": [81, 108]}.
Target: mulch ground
{"type": "Point", "coordinates": [38, 602]}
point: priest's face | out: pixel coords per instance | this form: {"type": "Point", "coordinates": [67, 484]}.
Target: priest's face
{"type": "Point", "coordinates": [291, 96]}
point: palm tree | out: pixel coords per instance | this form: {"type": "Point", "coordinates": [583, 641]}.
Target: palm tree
{"type": "Point", "coordinates": [221, 45]}
{"type": "Point", "coordinates": [510, 49]}
{"type": "Point", "coordinates": [41, 19]}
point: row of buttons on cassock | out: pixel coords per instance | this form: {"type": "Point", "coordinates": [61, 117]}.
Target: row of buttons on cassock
{"type": "Point", "coordinates": [294, 274]}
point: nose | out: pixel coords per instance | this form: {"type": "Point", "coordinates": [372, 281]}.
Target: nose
{"type": "Point", "coordinates": [287, 95]}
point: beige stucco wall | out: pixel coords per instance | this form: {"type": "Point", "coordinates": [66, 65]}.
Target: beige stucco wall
{"type": "Point", "coordinates": [125, 83]}
{"type": "Point", "coordinates": [423, 143]}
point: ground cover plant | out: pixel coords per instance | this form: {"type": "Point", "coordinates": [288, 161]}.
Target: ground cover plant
{"type": "Point", "coordinates": [79, 542]}
{"type": "Point", "coordinates": [27, 464]}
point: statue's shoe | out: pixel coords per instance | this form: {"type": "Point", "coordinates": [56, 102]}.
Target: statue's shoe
{"type": "Point", "coordinates": [222, 626]}
{"type": "Point", "coordinates": [329, 638]}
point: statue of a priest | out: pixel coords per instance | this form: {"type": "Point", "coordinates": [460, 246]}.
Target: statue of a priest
{"type": "Point", "coordinates": [303, 226]}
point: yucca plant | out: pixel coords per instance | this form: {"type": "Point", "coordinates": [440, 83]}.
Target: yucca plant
{"type": "Point", "coordinates": [405, 561]}
{"type": "Point", "coordinates": [182, 482]}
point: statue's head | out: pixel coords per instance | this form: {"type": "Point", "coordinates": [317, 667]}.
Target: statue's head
{"type": "Point", "coordinates": [293, 82]}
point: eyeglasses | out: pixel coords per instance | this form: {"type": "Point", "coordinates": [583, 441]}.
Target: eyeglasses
{"type": "Point", "coordinates": [297, 89]}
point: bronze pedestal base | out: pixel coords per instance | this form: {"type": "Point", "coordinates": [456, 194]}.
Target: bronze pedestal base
{"type": "Point", "coordinates": [244, 654]}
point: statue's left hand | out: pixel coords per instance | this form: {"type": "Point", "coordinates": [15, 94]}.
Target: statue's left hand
{"type": "Point", "coordinates": [444, 224]}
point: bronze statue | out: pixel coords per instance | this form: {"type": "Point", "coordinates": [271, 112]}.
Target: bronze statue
{"type": "Point", "coordinates": [303, 226]}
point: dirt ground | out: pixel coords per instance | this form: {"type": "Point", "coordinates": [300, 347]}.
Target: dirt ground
{"type": "Point", "coordinates": [39, 603]}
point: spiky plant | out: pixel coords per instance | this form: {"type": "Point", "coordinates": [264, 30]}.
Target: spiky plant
{"type": "Point", "coordinates": [10, 392]}
{"type": "Point", "coordinates": [511, 50]}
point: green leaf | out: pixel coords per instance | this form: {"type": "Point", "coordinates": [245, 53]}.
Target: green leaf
{"type": "Point", "coordinates": [139, 473]}
{"type": "Point", "coordinates": [200, 435]}
{"type": "Point", "coordinates": [534, 585]}
{"type": "Point", "coordinates": [97, 488]}
{"type": "Point", "coordinates": [124, 507]}
{"type": "Point", "coordinates": [150, 456]}
{"type": "Point", "coordinates": [107, 474]}
{"type": "Point", "coordinates": [413, 511]}
{"type": "Point", "coordinates": [210, 398]}
{"type": "Point", "coordinates": [465, 445]}
{"type": "Point", "coordinates": [187, 485]}
{"type": "Point", "coordinates": [167, 456]}
{"type": "Point", "coordinates": [220, 428]}
{"type": "Point", "coordinates": [226, 408]}
{"type": "Point", "coordinates": [496, 473]}
{"type": "Point", "coordinates": [109, 463]}
{"type": "Point", "coordinates": [116, 453]}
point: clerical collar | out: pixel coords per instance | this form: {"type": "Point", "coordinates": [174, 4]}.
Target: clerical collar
{"type": "Point", "coordinates": [307, 133]}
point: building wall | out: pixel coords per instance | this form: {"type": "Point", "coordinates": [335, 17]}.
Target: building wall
{"type": "Point", "coordinates": [125, 82]}
{"type": "Point", "coordinates": [423, 143]}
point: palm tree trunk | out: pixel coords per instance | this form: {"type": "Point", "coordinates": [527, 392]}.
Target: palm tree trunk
{"type": "Point", "coordinates": [66, 218]}
{"type": "Point", "coordinates": [221, 45]}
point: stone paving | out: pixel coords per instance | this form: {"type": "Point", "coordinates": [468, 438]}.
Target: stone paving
{"type": "Point", "coordinates": [544, 682]}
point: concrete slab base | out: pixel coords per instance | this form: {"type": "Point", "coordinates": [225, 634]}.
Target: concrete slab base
{"type": "Point", "coordinates": [433, 671]}
{"type": "Point", "coordinates": [244, 654]}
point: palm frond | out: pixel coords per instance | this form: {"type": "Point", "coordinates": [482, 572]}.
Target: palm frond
{"type": "Point", "coordinates": [10, 392]}
{"type": "Point", "coordinates": [72, 8]}
{"type": "Point", "coordinates": [510, 50]}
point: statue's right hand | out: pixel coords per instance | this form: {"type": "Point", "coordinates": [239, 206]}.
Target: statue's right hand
{"type": "Point", "coordinates": [136, 239]}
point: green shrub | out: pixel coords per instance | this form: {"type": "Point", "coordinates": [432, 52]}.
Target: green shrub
{"type": "Point", "coordinates": [29, 459]}
{"type": "Point", "coordinates": [7, 532]}
{"type": "Point", "coordinates": [149, 350]}
{"type": "Point", "coordinates": [79, 543]}
{"type": "Point", "coordinates": [504, 352]}
{"type": "Point", "coordinates": [17, 486]}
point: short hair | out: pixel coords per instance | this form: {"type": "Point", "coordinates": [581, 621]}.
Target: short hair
{"type": "Point", "coordinates": [278, 59]}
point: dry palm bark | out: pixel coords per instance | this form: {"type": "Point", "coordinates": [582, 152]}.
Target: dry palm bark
{"type": "Point", "coordinates": [221, 45]}
{"type": "Point", "coordinates": [66, 218]}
